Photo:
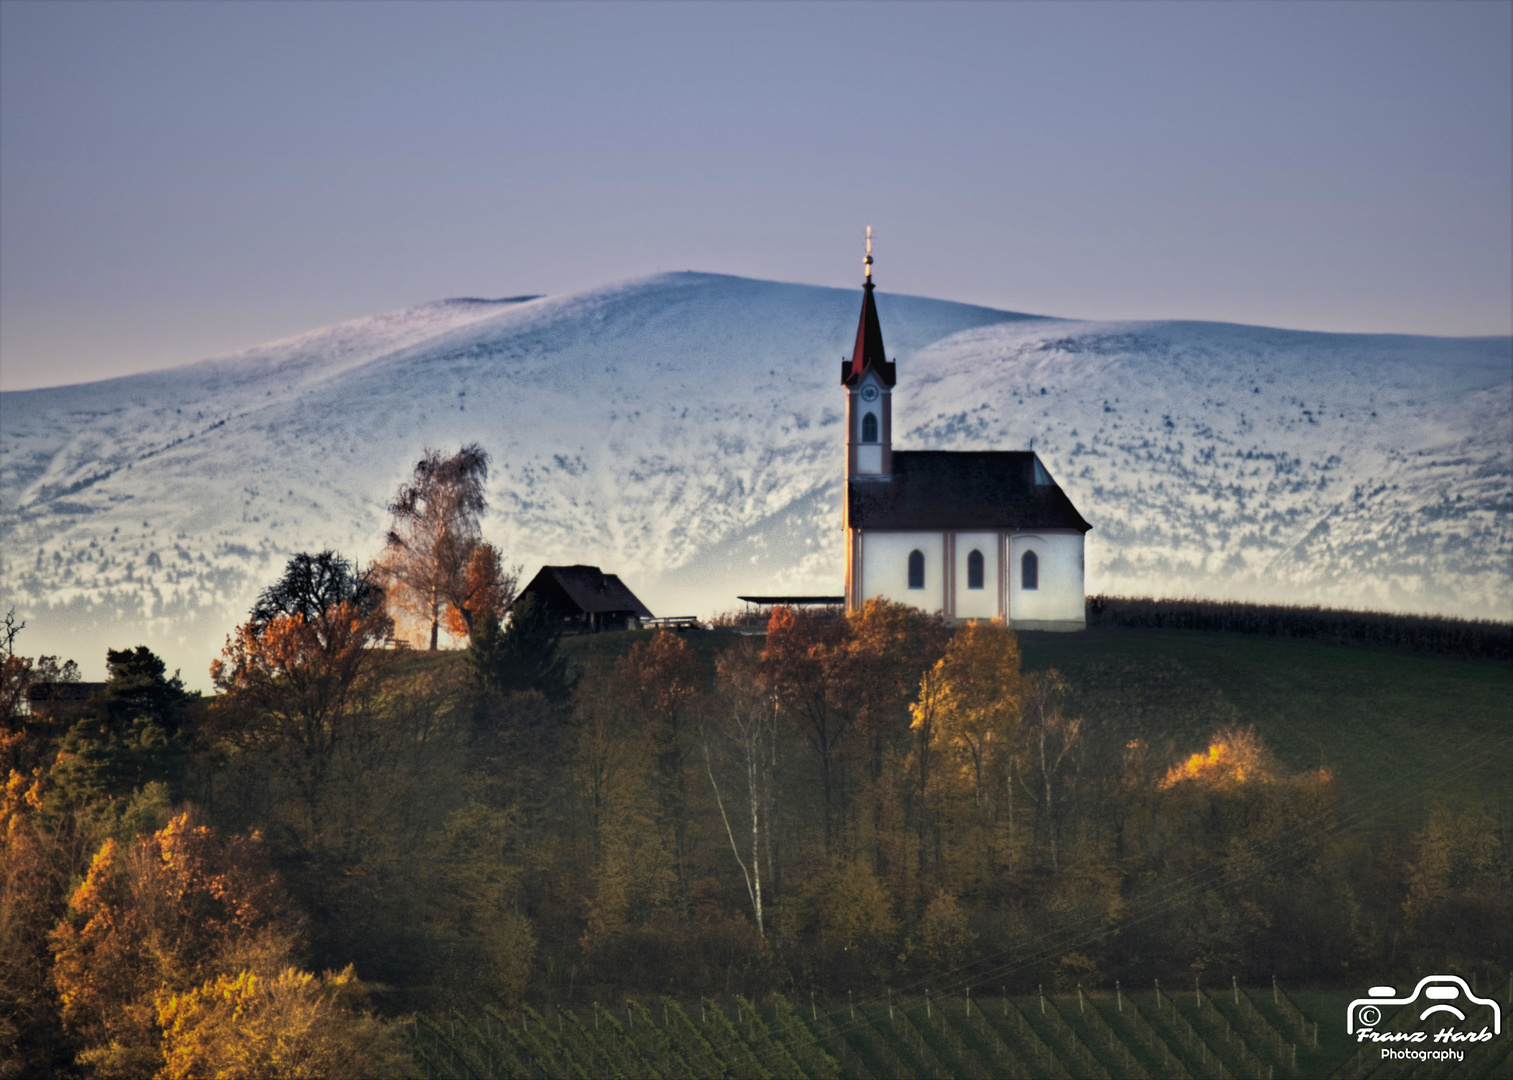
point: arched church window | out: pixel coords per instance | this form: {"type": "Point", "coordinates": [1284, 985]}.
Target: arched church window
{"type": "Point", "coordinates": [869, 427]}
{"type": "Point", "coordinates": [974, 570]}
{"type": "Point", "coordinates": [916, 569]}
{"type": "Point", "coordinates": [1029, 571]}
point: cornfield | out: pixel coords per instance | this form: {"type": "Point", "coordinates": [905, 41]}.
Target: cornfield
{"type": "Point", "coordinates": [1420, 633]}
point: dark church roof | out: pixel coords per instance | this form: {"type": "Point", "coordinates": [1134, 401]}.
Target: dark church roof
{"type": "Point", "coordinates": [939, 489]}
{"type": "Point", "coordinates": [868, 354]}
{"type": "Point", "coordinates": [586, 589]}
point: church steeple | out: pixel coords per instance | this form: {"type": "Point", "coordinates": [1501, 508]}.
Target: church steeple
{"type": "Point", "coordinates": [868, 353]}
{"type": "Point", "coordinates": [868, 381]}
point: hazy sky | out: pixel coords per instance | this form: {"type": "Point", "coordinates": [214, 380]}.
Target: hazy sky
{"type": "Point", "coordinates": [184, 180]}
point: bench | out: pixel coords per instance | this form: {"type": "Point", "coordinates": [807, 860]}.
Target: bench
{"type": "Point", "coordinates": [673, 622]}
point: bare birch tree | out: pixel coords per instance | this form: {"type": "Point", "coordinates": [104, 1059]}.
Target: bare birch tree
{"type": "Point", "coordinates": [740, 730]}
{"type": "Point", "coordinates": [1050, 738]}
{"type": "Point", "coordinates": [435, 567]}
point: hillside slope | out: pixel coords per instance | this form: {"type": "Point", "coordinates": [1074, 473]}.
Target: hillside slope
{"type": "Point", "coordinates": [684, 431]}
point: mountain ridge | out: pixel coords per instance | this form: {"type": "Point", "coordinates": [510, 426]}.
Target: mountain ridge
{"type": "Point", "coordinates": [682, 430]}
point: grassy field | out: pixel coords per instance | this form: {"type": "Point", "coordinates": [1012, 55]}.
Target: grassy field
{"type": "Point", "coordinates": [1399, 728]}
{"type": "Point", "coordinates": [1260, 1033]}
{"type": "Point", "coordinates": [586, 649]}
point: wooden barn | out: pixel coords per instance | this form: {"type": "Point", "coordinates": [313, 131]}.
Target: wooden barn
{"type": "Point", "coordinates": [61, 700]}
{"type": "Point", "coordinates": [586, 599]}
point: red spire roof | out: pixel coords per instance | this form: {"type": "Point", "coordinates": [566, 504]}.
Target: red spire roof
{"type": "Point", "coordinates": [868, 354]}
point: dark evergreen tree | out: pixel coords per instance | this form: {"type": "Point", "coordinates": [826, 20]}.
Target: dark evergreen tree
{"type": "Point", "coordinates": [135, 731]}
{"type": "Point", "coordinates": [137, 691]}
{"type": "Point", "coordinates": [523, 654]}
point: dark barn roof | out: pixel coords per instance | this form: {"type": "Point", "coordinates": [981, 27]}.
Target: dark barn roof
{"type": "Point", "coordinates": [940, 489]}
{"type": "Point", "coordinates": [42, 692]}
{"type": "Point", "coordinates": [61, 699]}
{"type": "Point", "coordinates": [586, 589]}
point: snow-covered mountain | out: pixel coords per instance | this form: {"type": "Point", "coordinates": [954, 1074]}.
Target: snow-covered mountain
{"type": "Point", "coordinates": [684, 431]}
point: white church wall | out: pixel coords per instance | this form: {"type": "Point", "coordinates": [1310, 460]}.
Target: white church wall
{"type": "Point", "coordinates": [885, 568]}
{"type": "Point", "coordinates": [1058, 602]}
{"type": "Point", "coordinates": [977, 603]}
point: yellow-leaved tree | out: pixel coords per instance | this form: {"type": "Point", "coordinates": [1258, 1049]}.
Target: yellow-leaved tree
{"type": "Point", "coordinates": [287, 1026]}
{"type": "Point", "coordinates": [176, 910]}
{"type": "Point", "coordinates": [981, 697]}
{"type": "Point", "coordinates": [171, 909]}
{"type": "Point", "coordinates": [967, 709]}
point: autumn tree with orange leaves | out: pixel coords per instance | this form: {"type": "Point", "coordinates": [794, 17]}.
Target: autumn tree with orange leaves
{"type": "Point", "coordinates": [299, 677]}
{"type": "Point", "coordinates": [803, 664]}
{"type": "Point", "coordinates": [298, 689]}
{"type": "Point", "coordinates": [662, 684]}
{"type": "Point", "coordinates": [299, 717]}
{"type": "Point", "coordinates": [172, 909]}
{"type": "Point", "coordinates": [357, 770]}
{"type": "Point", "coordinates": [174, 960]}
{"type": "Point", "coordinates": [982, 694]}
{"type": "Point", "coordinates": [32, 886]}
{"type": "Point", "coordinates": [832, 677]}
{"type": "Point", "coordinates": [887, 651]}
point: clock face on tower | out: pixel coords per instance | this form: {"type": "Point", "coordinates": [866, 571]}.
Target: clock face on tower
{"type": "Point", "coordinates": [869, 392]}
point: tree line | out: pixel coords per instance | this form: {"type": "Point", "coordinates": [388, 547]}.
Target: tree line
{"type": "Point", "coordinates": [347, 832]}
{"type": "Point", "coordinates": [1479, 638]}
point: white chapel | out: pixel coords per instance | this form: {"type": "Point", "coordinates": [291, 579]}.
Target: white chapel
{"type": "Point", "coordinates": [971, 534]}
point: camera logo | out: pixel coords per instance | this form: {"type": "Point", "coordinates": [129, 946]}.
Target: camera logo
{"type": "Point", "coordinates": [1446, 997]}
